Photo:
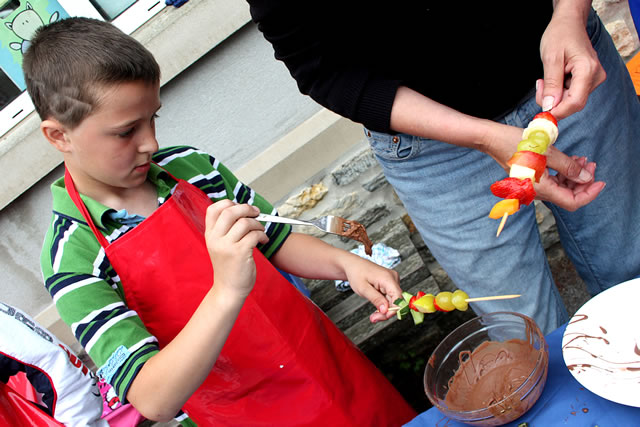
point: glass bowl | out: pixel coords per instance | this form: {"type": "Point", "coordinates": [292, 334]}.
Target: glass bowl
{"type": "Point", "coordinates": [498, 382]}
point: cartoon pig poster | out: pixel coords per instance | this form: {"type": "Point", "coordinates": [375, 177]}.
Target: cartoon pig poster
{"type": "Point", "coordinates": [19, 20]}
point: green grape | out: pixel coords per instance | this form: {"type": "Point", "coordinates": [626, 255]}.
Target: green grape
{"type": "Point", "coordinates": [443, 301]}
{"type": "Point", "coordinates": [537, 141]}
{"type": "Point", "coordinates": [531, 145]}
{"type": "Point", "coordinates": [459, 300]}
{"type": "Point", "coordinates": [540, 136]}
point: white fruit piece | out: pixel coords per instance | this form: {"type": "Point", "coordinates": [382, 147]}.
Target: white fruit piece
{"type": "Point", "coordinates": [522, 172]}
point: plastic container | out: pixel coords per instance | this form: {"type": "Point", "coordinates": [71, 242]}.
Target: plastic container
{"type": "Point", "coordinates": [503, 330]}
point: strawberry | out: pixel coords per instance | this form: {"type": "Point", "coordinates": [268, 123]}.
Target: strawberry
{"type": "Point", "coordinates": [546, 115]}
{"type": "Point", "coordinates": [419, 295]}
{"type": "Point", "coordinates": [514, 188]}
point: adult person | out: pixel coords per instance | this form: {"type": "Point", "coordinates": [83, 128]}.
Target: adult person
{"type": "Point", "coordinates": [444, 89]}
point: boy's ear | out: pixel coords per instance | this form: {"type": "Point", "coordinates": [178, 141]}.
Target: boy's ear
{"type": "Point", "coordinates": [55, 133]}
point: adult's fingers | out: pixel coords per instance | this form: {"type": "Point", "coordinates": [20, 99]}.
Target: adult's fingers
{"type": "Point", "coordinates": [572, 200]}
{"type": "Point", "coordinates": [586, 74]}
{"type": "Point", "coordinates": [568, 194]}
{"type": "Point", "coordinates": [567, 166]}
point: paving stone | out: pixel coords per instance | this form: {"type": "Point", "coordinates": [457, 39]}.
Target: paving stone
{"type": "Point", "coordinates": [375, 183]}
{"type": "Point", "coordinates": [351, 170]}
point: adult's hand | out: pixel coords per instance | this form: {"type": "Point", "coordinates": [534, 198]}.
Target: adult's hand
{"type": "Point", "coordinates": [567, 193]}
{"type": "Point", "coordinates": [416, 114]}
{"type": "Point", "coordinates": [573, 186]}
{"type": "Point", "coordinates": [571, 66]}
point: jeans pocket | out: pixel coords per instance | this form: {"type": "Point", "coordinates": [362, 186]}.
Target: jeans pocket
{"type": "Point", "coordinates": [392, 147]}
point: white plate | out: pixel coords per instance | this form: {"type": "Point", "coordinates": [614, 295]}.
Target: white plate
{"type": "Point", "coordinates": [601, 345]}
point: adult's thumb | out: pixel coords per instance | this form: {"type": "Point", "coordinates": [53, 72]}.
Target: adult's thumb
{"type": "Point", "coordinates": [551, 87]}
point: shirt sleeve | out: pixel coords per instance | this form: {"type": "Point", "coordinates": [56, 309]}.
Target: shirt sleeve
{"type": "Point", "coordinates": [298, 34]}
{"type": "Point", "coordinates": [218, 182]}
{"type": "Point", "coordinates": [88, 296]}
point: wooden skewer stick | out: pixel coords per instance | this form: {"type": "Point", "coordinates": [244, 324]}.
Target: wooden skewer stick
{"type": "Point", "coordinates": [492, 298]}
{"type": "Point", "coordinates": [502, 222]}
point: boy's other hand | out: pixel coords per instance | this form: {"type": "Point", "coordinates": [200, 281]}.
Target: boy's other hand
{"type": "Point", "coordinates": [379, 285]}
{"type": "Point", "coordinates": [231, 234]}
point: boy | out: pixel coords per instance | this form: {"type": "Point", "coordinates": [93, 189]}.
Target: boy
{"type": "Point", "coordinates": [132, 249]}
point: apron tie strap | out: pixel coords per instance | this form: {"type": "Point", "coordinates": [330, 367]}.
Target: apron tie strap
{"type": "Point", "coordinates": [75, 196]}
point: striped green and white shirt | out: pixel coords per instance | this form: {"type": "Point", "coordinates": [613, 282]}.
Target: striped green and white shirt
{"type": "Point", "coordinates": [85, 288]}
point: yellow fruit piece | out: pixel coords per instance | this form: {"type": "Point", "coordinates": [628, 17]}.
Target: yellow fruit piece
{"type": "Point", "coordinates": [506, 206]}
{"type": "Point", "coordinates": [424, 304]}
{"type": "Point", "coordinates": [459, 300]}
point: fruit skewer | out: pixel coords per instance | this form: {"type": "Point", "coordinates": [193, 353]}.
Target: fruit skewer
{"type": "Point", "coordinates": [527, 166]}
{"type": "Point", "coordinates": [421, 303]}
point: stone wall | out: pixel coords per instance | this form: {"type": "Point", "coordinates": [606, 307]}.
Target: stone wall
{"type": "Point", "coordinates": [618, 21]}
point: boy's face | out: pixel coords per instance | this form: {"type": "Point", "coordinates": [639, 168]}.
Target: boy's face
{"type": "Point", "coordinates": [109, 152]}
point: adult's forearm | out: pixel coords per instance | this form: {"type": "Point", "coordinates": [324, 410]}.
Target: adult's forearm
{"type": "Point", "coordinates": [572, 8]}
{"type": "Point", "coordinates": [415, 114]}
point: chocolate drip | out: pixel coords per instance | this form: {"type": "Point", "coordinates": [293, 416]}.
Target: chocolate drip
{"type": "Point", "coordinates": [605, 365]}
{"type": "Point", "coordinates": [356, 231]}
{"type": "Point", "coordinates": [578, 318]}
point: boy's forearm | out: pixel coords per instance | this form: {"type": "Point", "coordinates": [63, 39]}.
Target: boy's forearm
{"type": "Point", "coordinates": [169, 378]}
{"type": "Point", "coordinates": [309, 257]}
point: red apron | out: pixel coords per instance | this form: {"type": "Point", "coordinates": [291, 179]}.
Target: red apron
{"type": "Point", "coordinates": [284, 362]}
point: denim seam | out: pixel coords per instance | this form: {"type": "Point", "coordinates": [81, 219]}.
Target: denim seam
{"type": "Point", "coordinates": [579, 250]}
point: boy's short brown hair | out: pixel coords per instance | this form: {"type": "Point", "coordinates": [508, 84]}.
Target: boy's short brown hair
{"type": "Point", "coordinates": [68, 61]}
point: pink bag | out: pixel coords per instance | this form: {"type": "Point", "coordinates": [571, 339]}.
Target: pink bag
{"type": "Point", "coordinates": [117, 414]}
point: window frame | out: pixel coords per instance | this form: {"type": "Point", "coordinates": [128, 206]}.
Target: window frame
{"type": "Point", "coordinates": [128, 21]}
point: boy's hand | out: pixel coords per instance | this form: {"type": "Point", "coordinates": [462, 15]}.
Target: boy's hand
{"type": "Point", "coordinates": [231, 234]}
{"type": "Point", "coordinates": [380, 285]}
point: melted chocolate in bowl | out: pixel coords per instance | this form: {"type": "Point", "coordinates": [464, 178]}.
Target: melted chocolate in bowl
{"type": "Point", "coordinates": [489, 371]}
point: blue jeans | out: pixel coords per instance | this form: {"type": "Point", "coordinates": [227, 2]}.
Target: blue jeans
{"type": "Point", "coordinates": [445, 189]}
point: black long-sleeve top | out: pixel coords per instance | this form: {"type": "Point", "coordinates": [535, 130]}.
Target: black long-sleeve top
{"type": "Point", "coordinates": [350, 56]}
